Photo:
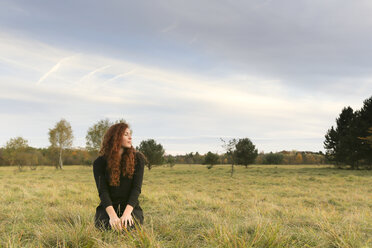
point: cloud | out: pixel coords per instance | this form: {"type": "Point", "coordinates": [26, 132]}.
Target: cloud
{"type": "Point", "coordinates": [90, 74]}
{"type": "Point", "coordinates": [170, 28]}
{"type": "Point", "coordinates": [120, 76]}
{"type": "Point", "coordinates": [53, 69]}
{"type": "Point", "coordinates": [265, 70]}
{"type": "Point", "coordinates": [306, 44]}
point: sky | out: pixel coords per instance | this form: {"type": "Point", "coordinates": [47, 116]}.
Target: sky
{"type": "Point", "coordinates": [185, 73]}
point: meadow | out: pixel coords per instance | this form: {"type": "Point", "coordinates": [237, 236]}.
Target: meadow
{"type": "Point", "coordinates": [191, 206]}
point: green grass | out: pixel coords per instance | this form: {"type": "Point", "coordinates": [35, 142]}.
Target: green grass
{"type": "Point", "coordinates": [190, 206]}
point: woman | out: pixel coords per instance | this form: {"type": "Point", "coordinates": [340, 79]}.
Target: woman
{"type": "Point", "coordinates": [118, 172]}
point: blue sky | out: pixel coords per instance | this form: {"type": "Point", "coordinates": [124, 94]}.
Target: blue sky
{"type": "Point", "coordinates": [184, 73]}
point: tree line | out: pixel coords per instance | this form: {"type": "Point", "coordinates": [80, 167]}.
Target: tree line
{"type": "Point", "coordinates": [347, 145]}
{"type": "Point", "coordinates": [238, 152]}
{"type": "Point", "coordinates": [31, 156]}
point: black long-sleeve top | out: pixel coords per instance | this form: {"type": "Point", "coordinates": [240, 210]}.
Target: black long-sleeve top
{"type": "Point", "coordinates": [128, 190]}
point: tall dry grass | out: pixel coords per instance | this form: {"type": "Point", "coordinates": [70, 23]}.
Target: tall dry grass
{"type": "Point", "coordinates": [190, 206]}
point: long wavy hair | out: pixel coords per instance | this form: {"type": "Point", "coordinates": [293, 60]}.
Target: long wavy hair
{"type": "Point", "coordinates": [110, 149]}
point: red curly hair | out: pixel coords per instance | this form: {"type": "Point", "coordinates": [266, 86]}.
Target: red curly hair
{"type": "Point", "coordinates": [110, 149]}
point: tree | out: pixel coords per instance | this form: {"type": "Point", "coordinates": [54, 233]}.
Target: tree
{"type": "Point", "coordinates": [299, 159]}
{"type": "Point", "coordinates": [169, 159]}
{"type": "Point", "coordinates": [369, 138]}
{"type": "Point", "coordinates": [96, 132]}
{"type": "Point", "coordinates": [189, 158]}
{"type": "Point", "coordinates": [15, 151]}
{"type": "Point", "coordinates": [230, 148]}
{"type": "Point", "coordinates": [310, 159]}
{"type": "Point", "coordinates": [246, 152]}
{"type": "Point", "coordinates": [331, 145]}
{"type": "Point", "coordinates": [363, 124]}
{"type": "Point", "coordinates": [95, 135]}
{"type": "Point", "coordinates": [198, 159]}
{"type": "Point", "coordinates": [154, 152]}
{"type": "Point", "coordinates": [341, 143]}
{"type": "Point", "coordinates": [211, 159]}
{"type": "Point", "coordinates": [273, 158]}
{"type": "Point", "coordinates": [347, 143]}
{"type": "Point", "coordinates": [61, 137]}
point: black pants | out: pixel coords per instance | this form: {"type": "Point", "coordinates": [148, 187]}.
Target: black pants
{"type": "Point", "coordinates": [102, 220]}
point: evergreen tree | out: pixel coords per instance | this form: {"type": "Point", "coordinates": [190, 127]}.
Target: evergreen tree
{"type": "Point", "coordinates": [340, 142]}
{"type": "Point", "coordinates": [246, 152]}
{"type": "Point", "coordinates": [368, 139]}
{"type": "Point", "coordinates": [211, 159]}
{"type": "Point", "coordinates": [154, 152]}
{"type": "Point", "coordinates": [362, 127]}
{"type": "Point", "coordinates": [347, 144]}
{"type": "Point", "coordinates": [330, 144]}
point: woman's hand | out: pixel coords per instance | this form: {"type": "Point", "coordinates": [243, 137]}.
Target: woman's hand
{"type": "Point", "coordinates": [115, 223]}
{"type": "Point", "coordinates": [126, 217]}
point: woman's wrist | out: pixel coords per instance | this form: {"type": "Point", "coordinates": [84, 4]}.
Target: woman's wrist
{"type": "Point", "coordinates": [128, 209]}
{"type": "Point", "coordinates": [111, 212]}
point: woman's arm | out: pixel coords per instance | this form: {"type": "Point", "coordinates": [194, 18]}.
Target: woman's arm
{"type": "Point", "coordinates": [137, 181]}
{"type": "Point", "coordinates": [102, 187]}
{"type": "Point", "coordinates": [135, 191]}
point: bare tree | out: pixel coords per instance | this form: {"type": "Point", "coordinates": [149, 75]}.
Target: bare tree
{"type": "Point", "coordinates": [230, 148]}
{"type": "Point", "coordinates": [61, 137]}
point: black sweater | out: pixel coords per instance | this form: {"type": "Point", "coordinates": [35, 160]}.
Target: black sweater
{"type": "Point", "coordinates": [128, 190]}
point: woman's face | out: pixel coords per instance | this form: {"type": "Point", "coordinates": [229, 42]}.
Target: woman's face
{"type": "Point", "coordinates": [127, 138]}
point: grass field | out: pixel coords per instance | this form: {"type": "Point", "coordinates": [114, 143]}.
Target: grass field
{"type": "Point", "coordinates": [190, 206]}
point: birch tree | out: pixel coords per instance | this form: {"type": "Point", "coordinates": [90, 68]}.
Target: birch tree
{"type": "Point", "coordinates": [61, 137]}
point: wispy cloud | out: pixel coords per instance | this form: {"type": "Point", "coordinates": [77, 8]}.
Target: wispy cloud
{"type": "Point", "coordinates": [119, 76]}
{"type": "Point", "coordinates": [90, 74]}
{"type": "Point", "coordinates": [170, 27]}
{"type": "Point", "coordinates": [183, 109]}
{"type": "Point", "coordinates": [54, 68]}
{"type": "Point", "coordinates": [194, 39]}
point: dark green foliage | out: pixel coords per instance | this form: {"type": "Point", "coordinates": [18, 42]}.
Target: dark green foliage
{"type": "Point", "coordinates": [211, 159]}
{"type": "Point", "coordinates": [273, 158]}
{"type": "Point", "coordinates": [363, 126]}
{"type": "Point", "coordinates": [246, 152]}
{"type": "Point", "coordinates": [346, 144]}
{"type": "Point", "coordinates": [368, 139]}
{"type": "Point", "coordinates": [154, 152]}
{"type": "Point", "coordinates": [340, 142]}
{"type": "Point", "coordinates": [170, 160]}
